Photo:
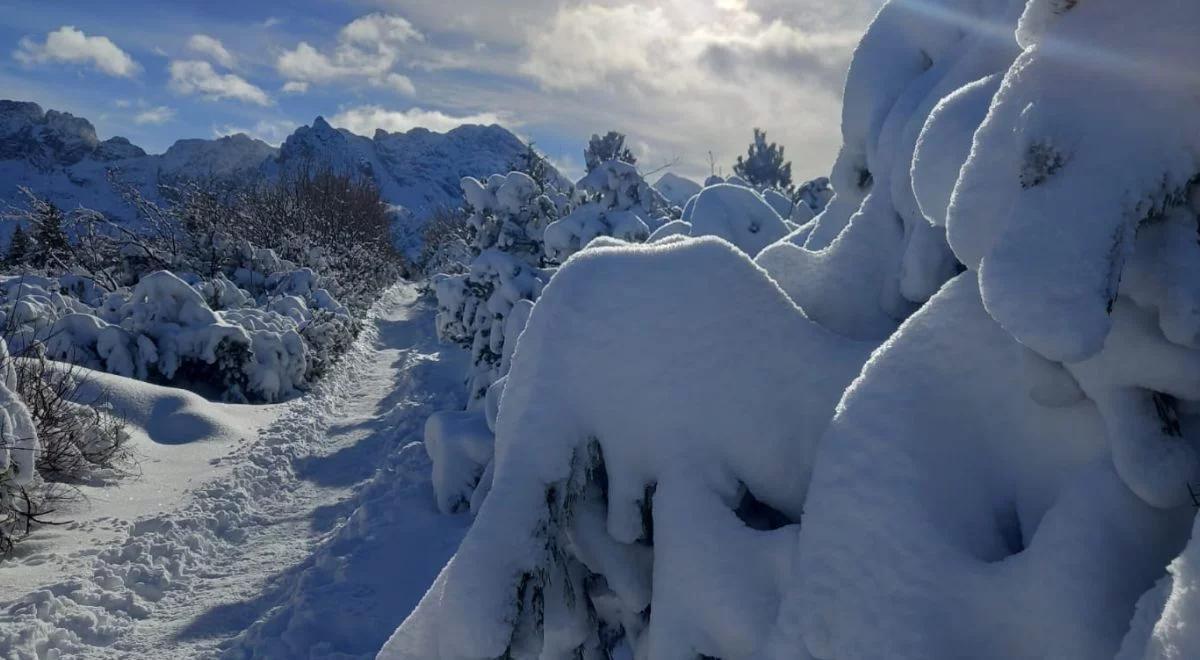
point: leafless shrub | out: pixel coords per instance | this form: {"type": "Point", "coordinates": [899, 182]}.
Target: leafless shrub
{"type": "Point", "coordinates": [82, 440]}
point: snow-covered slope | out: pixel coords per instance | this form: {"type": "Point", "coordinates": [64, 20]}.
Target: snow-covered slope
{"type": "Point", "coordinates": [59, 156]}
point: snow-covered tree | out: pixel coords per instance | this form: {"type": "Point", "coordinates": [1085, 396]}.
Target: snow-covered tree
{"type": "Point", "coordinates": [19, 249]}
{"type": "Point", "coordinates": [51, 248]}
{"type": "Point", "coordinates": [764, 166]}
{"type": "Point", "coordinates": [535, 165]}
{"type": "Point", "coordinates": [612, 200]}
{"type": "Point", "coordinates": [650, 506]}
{"type": "Point", "coordinates": [509, 215]}
{"type": "Point", "coordinates": [603, 148]}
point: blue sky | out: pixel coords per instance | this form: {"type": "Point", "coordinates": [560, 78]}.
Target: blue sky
{"type": "Point", "coordinates": [682, 78]}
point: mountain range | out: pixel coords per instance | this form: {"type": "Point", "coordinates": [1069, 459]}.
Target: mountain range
{"type": "Point", "coordinates": [59, 156]}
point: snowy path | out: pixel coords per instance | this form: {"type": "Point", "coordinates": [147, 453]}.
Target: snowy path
{"type": "Point", "coordinates": [317, 541]}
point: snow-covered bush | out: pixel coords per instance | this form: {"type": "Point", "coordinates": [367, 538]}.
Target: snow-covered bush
{"type": "Point", "coordinates": [164, 330]}
{"type": "Point", "coordinates": [243, 293]}
{"type": "Point", "coordinates": [19, 449]}
{"type": "Point", "coordinates": [614, 200]}
{"type": "Point", "coordinates": [639, 505]}
{"type": "Point", "coordinates": [603, 148]}
{"type": "Point", "coordinates": [80, 437]}
{"type": "Point", "coordinates": [624, 488]}
{"type": "Point", "coordinates": [1012, 472]}
{"type": "Point", "coordinates": [739, 215]}
{"type": "Point", "coordinates": [509, 215]}
{"type": "Point", "coordinates": [812, 197]}
{"type": "Point", "coordinates": [445, 245]}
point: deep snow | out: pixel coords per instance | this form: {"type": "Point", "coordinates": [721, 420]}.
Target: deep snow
{"type": "Point", "coordinates": [227, 543]}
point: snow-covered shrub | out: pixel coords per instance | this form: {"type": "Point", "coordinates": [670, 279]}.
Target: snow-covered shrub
{"type": "Point", "coordinates": [638, 505]}
{"type": "Point", "coordinates": [509, 214]}
{"type": "Point", "coordinates": [1030, 501]}
{"type": "Point", "coordinates": [80, 437]}
{"type": "Point", "coordinates": [739, 215]}
{"type": "Point", "coordinates": [445, 245]}
{"type": "Point", "coordinates": [873, 255]}
{"type": "Point", "coordinates": [607, 147]}
{"type": "Point", "coordinates": [19, 448]}
{"type": "Point", "coordinates": [164, 330]}
{"type": "Point", "coordinates": [621, 487]}
{"type": "Point", "coordinates": [614, 200]}
{"type": "Point", "coordinates": [273, 274]}
{"type": "Point", "coordinates": [814, 196]}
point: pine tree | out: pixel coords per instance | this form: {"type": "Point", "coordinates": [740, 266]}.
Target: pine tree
{"type": "Point", "coordinates": [610, 147]}
{"type": "Point", "coordinates": [763, 166]}
{"type": "Point", "coordinates": [51, 245]}
{"type": "Point", "coordinates": [18, 249]}
{"type": "Point", "coordinates": [534, 164]}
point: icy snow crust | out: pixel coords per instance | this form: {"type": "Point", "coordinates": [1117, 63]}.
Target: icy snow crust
{"type": "Point", "coordinates": [695, 456]}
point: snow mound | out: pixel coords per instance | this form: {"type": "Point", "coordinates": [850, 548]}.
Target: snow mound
{"type": "Point", "coordinates": [676, 189]}
{"type": "Point", "coordinates": [739, 215]}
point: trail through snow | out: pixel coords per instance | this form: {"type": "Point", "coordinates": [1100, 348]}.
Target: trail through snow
{"type": "Point", "coordinates": [316, 541]}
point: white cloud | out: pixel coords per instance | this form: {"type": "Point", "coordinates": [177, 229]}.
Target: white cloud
{"type": "Point", "coordinates": [646, 48]}
{"type": "Point", "coordinates": [213, 48]}
{"type": "Point", "coordinates": [157, 115]}
{"type": "Point", "coordinates": [367, 50]}
{"type": "Point", "coordinates": [273, 132]}
{"type": "Point", "coordinates": [687, 77]}
{"type": "Point", "coordinates": [374, 29]}
{"type": "Point", "coordinates": [683, 76]}
{"type": "Point", "coordinates": [199, 77]}
{"type": "Point", "coordinates": [397, 82]}
{"type": "Point", "coordinates": [294, 87]}
{"type": "Point", "coordinates": [365, 119]}
{"type": "Point", "coordinates": [68, 44]}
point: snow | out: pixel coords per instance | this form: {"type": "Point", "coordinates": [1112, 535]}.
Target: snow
{"type": "Point", "coordinates": [650, 420]}
{"type": "Point", "coordinates": [19, 446]}
{"type": "Point", "coordinates": [1162, 628]}
{"type": "Point", "coordinates": [942, 404]}
{"type": "Point", "coordinates": [676, 189]}
{"type": "Point", "coordinates": [1053, 205]}
{"type": "Point", "coordinates": [232, 536]}
{"type": "Point", "coordinates": [739, 215]}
